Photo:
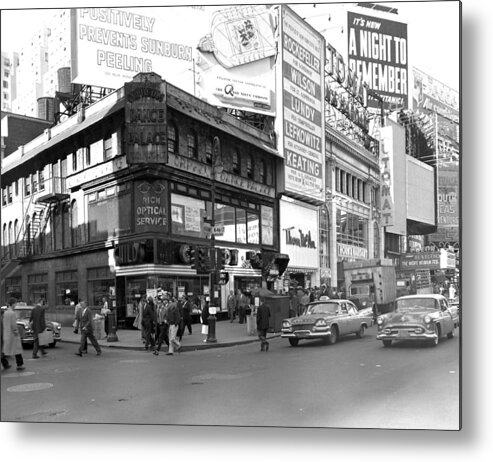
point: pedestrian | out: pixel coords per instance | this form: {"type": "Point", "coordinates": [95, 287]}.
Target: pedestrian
{"type": "Point", "coordinates": [231, 305]}
{"type": "Point", "coordinates": [12, 345]}
{"type": "Point", "coordinates": [86, 331]}
{"type": "Point", "coordinates": [242, 308]}
{"type": "Point", "coordinates": [187, 314]}
{"type": "Point", "coordinates": [263, 315]}
{"type": "Point", "coordinates": [138, 318]}
{"type": "Point", "coordinates": [294, 304]}
{"type": "Point", "coordinates": [5, 362]}
{"type": "Point", "coordinates": [204, 315]}
{"type": "Point", "coordinates": [181, 326]}
{"type": "Point", "coordinates": [305, 300]}
{"type": "Point", "coordinates": [105, 311]}
{"type": "Point", "coordinates": [173, 318]}
{"type": "Point", "coordinates": [162, 327]}
{"type": "Point", "coordinates": [78, 317]}
{"type": "Point", "coordinates": [148, 323]}
{"type": "Point", "coordinates": [38, 325]}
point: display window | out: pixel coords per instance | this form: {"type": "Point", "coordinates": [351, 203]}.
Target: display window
{"type": "Point", "coordinates": [37, 288]}
{"type": "Point", "coordinates": [66, 286]}
{"type": "Point", "coordinates": [100, 283]}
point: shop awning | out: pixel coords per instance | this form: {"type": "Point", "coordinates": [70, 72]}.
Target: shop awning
{"type": "Point", "coordinates": [300, 269]}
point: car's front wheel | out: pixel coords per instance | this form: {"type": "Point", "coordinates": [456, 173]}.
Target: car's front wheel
{"type": "Point", "coordinates": [293, 341]}
{"type": "Point", "coordinates": [451, 334]}
{"type": "Point", "coordinates": [332, 338]}
{"type": "Point", "coordinates": [436, 340]}
{"type": "Point", "coordinates": [361, 332]}
{"type": "Point", "coordinates": [387, 343]}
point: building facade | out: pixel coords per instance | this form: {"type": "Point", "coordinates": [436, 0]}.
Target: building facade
{"type": "Point", "coordinates": [110, 201]}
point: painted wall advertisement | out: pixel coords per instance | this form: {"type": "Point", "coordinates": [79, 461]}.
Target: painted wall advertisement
{"type": "Point", "coordinates": [377, 50]}
{"type": "Point", "coordinates": [299, 234]}
{"type": "Point", "coordinates": [302, 100]}
{"type": "Point", "coordinates": [145, 119]}
{"type": "Point", "coordinates": [224, 56]}
{"type": "Point", "coordinates": [151, 206]}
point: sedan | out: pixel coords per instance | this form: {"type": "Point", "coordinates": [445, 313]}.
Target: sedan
{"type": "Point", "coordinates": [23, 314]}
{"type": "Point", "coordinates": [326, 319]}
{"type": "Point", "coordinates": [417, 317]}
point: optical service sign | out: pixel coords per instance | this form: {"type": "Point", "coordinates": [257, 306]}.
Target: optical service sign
{"type": "Point", "coordinates": [377, 51]}
{"type": "Point", "coordinates": [151, 206]}
{"type": "Point", "coordinates": [303, 94]}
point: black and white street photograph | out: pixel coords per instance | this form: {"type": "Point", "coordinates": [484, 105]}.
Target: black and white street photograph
{"type": "Point", "coordinates": [231, 225]}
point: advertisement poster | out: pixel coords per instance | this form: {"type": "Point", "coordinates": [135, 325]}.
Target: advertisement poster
{"type": "Point", "coordinates": [151, 206]}
{"type": "Point", "coordinates": [302, 93]}
{"type": "Point", "coordinates": [378, 51]}
{"type": "Point", "coordinates": [224, 56]}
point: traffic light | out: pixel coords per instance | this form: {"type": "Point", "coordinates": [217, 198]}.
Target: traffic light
{"type": "Point", "coordinates": [224, 258]}
{"type": "Point", "coordinates": [192, 256]}
{"type": "Point", "coordinates": [201, 259]}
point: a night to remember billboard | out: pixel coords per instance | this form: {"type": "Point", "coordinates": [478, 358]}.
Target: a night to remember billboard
{"type": "Point", "coordinates": [377, 50]}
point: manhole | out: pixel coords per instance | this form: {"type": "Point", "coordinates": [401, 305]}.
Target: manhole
{"type": "Point", "coordinates": [18, 374]}
{"type": "Point", "coordinates": [30, 387]}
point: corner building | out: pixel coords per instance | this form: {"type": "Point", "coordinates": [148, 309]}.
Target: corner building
{"type": "Point", "coordinates": [108, 202]}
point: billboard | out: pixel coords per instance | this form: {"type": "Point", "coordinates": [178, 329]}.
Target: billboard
{"type": "Point", "coordinates": [420, 187]}
{"type": "Point", "coordinates": [430, 96]}
{"type": "Point", "coordinates": [377, 51]}
{"type": "Point", "coordinates": [301, 99]}
{"type": "Point", "coordinates": [447, 206]}
{"type": "Point", "coordinates": [299, 234]}
{"type": "Point", "coordinates": [224, 56]}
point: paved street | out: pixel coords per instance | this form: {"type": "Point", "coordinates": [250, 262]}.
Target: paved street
{"type": "Point", "coordinates": [354, 384]}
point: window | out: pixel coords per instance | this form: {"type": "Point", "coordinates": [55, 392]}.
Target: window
{"type": "Point", "coordinates": [107, 147]}
{"type": "Point", "coordinates": [66, 287]}
{"type": "Point", "coordinates": [100, 283]}
{"type": "Point", "coordinates": [41, 180]}
{"type": "Point", "coordinates": [27, 186]}
{"type": "Point", "coordinates": [37, 288]}
{"type": "Point", "coordinates": [235, 163]}
{"type": "Point", "coordinates": [74, 224]}
{"type": "Point", "coordinates": [262, 172]}
{"type": "Point", "coordinates": [9, 194]}
{"type": "Point", "coordinates": [172, 137]}
{"type": "Point", "coordinates": [267, 214]}
{"type": "Point", "coordinates": [208, 152]}
{"type": "Point", "coordinates": [192, 145]}
{"type": "Point", "coordinates": [13, 288]}
{"type": "Point", "coordinates": [249, 166]}
{"type": "Point", "coordinates": [4, 196]}
{"type": "Point", "coordinates": [34, 181]}
{"type": "Point", "coordinates": [87, 151]}
{"type": "Point", "coordinates": [74, 161]}
{"type": "Point", "coordinates": [187, 216]}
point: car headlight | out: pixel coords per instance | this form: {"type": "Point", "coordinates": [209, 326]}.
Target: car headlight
{"type": "Point", "coordinates": [427, 319]}
{"type": "Point", "coordinates": [286, 324]}
{"type": "Point", "coordinates": [380, 320]}
{"type": "Point", "coordinates": [320, 323]}
{"type": "Point", "coordinates": [363, 303]}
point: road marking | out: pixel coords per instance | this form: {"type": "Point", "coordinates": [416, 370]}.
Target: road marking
{"type": "Point", "coordinates": [30, 387]}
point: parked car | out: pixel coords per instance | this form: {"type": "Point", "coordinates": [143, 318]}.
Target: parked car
{"type": "Point", "coordinates": [417, 317]}
{"type": "Point", "coordinates": [326, 319]}
{"type": "Point", "coordinates": [23, 314]}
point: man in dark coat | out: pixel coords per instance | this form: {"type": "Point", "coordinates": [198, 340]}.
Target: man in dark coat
{"type": "Point", "coordinates": [38, 325]}
{"type": "Point", "coordinates": [149, 323]}
{"type": "Point", "coordinates": [263, 315]}
{"type": "Point", "coordinates": [86, 331]}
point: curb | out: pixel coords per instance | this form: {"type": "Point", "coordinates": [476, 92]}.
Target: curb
{"type": "Point", "coordinates": [196, 347]}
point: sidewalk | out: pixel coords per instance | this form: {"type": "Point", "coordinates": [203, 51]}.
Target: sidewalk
{"type": "Point", "coordinates": [227, 334]}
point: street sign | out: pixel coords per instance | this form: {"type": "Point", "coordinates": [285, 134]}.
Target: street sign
{"type": "Point", "coordinates": [218, 230]}
{"type": "Point", "coordinates": [223, 277]}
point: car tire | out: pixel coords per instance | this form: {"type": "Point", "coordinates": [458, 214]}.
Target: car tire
{"type": "Point", "coordinates": [451, 334]}
{"type": "Point", "coordinates": [387, 343]}
{"type": "Point", "coordinates": [293, 342]}
{"type": "Point", "coordinates": [332, 338]}
{"type": "Point", "coordinates": [361, 332]}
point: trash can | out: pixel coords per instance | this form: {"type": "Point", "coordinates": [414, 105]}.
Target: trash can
{"type": "Point", "coordinates": [251, 324]}
{"type": "Point", "coordinates": [98, 326]}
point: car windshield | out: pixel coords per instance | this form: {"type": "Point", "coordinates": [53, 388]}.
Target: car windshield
{"type": "Point", "coordinates": [416, 304]}
{"type": "Point", "coordinates": [23, 313]}
{"type": "Point", "coordinates": [323, 308]}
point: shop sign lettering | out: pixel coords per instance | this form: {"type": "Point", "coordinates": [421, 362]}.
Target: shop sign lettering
{"type": "Point", "coordinates": [151, 205]}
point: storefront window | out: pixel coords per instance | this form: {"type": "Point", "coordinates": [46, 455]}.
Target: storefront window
{"type": "Point", "coordinates": [267, 225]}
{"type": "Point", "coordinates": [253, 229]}
{"type": "Point", "coordinates": [224, 215]}
{"type": "Point", "coordinates": [66, 286]}
{"type": "Point", "coordinates": [241, 228]}
{"type": "Point", "coordinates": [187, 216]}
{"type": "Point", "coordinates": [351, 229]}
{"type": "Point", "coordinates": [37, 288]}
{"type": "Point", "coordinates": [100, 283]}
